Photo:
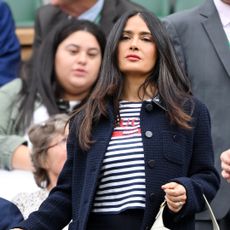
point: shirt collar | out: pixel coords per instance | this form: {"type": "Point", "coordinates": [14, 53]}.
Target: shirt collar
{"type": "Point", "coordinates": [92, 13]}
{"type": "Point", "coordinates": [224, 12]}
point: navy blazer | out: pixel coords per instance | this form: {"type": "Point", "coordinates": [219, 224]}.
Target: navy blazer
{"type": "Point", "coordinates": [171, 154]}
{"type": "Point", "coordinates": [9, 46]}
{"type": "Point", "coordinates": [9, 214]}
{"type": "Point", "coordinates": [202, 47]}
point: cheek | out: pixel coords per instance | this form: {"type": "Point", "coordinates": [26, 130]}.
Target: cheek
{"type": "Point", "coordinates": [58, 161]}
{"type": "Point", "coordinates": [94, 68]}
{"type": "Point", "coordinates": [119, 56]}
{"type": "Point", "coordinates": [152, 57]}
{"type": "Point", "coordinates": [62, 71]}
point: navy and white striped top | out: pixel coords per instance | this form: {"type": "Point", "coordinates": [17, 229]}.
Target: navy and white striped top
{"type": "Point", "coordinates": [122, 181]}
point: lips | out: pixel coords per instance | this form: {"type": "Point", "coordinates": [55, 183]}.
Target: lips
{"type": "Point", "coordinates": [79, 72]}
{"type": "Point", "coordinates": [133, 57]}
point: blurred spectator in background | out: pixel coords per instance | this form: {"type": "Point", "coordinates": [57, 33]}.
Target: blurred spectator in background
{"type": "Point", "coordinates": [201, 37]}
{"type": "Point", "coordinates": [9, 46]}
{"type": "Point", "coordinates": [48, 157]}
{"type": "Point", "coordinates": [102, 12]}
{"type": "Point", "coordinates": [65, 70]}
{"type": "Point", "coordinates": [9, 215]}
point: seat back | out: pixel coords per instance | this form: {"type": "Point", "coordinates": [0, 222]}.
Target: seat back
{"type": "Point", "coordinates": [161, 8]}
{"type": "Point", "coordinates": [24, 11]}
{"type": "Point", "coordinates": [186, 4]}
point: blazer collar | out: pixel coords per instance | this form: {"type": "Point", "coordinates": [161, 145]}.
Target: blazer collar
{"type": "Point", "coordinates": [159, 102]}
{"type": "Point", "coordinates": [214, 29]}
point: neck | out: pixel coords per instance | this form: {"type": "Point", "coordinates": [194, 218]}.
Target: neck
{"type": "Point", "coordinates": [76, 8]}
{"type": "Point", "coordinates": [74, 97]}
{"type": "Point", "coordinates": [53, 182]}
{"type": "Point", "coordinates": [131, 90]}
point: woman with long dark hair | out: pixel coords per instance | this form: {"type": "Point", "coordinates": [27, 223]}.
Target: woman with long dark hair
{"type": "Point", "coordinates": [140, 138]}
{"type": "Point", "coordinates": [61, 75]}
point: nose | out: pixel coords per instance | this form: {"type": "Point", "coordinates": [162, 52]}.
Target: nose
{"type": "Point", "coordinates": [82, 58]}
{"type": "Point", "coordinates": [134, 44]}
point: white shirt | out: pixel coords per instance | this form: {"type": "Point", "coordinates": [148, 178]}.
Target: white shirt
{"type": "Point", "coordinates": [224, 13]}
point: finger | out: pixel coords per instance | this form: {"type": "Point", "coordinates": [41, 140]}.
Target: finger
{"type": "Point", "coordinates": [225, 156]}
{"type": "Point", "coordinates": [225, 174]}
{"type": "Point", "coordinates": [176, 199]}
{"type": "Point", "coordinates": [225, 166]}
{"type": "Point", "coordinates": [169, 185]}
{"type": "Point", "coordinates": [174, 206]}
{"type": "Point", "coordinates": [179, 190]}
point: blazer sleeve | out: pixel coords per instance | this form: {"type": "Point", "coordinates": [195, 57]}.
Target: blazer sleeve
{"type": "Point", "coordinates": [9, 215]}
{"type": "Point", "coordinates": [202, 177]}
{"type": "Point", "coordinates": [9, 139]}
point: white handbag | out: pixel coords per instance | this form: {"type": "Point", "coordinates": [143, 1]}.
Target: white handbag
{"type": "Point", "coordinates": [159, 224]}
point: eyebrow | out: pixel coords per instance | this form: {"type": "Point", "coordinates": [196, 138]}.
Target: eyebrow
{"type": "Point", "coordinates": [77, 46]}
{"type": "Point", "coordinates": [141, 33]}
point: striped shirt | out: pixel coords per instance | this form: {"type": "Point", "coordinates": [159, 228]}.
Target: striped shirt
{"type": "Point", "coordinates": [122, 181]}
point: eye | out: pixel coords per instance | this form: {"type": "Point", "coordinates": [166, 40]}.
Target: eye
{"type": "Point", "coordinates": [147, 39]}
{"type": "Point", "coordinates": [72, 51]}
{"type": "Point", "coordinates": [125, 37]}
{"type": "Point", "coordinates": [93, 53]}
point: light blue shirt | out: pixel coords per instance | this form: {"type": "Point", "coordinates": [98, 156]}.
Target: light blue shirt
{"type": "Point", "coordinates": [93, 13]}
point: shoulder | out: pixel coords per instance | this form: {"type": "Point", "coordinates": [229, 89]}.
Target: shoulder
{"type": "Point", "coordinates": [3, 6]}
{"type": "Point", "coordinates": [179, 19]}
{"type": "Point", "coordinates": [12, 88]}
{"type": "Point", "coordinates": [9, 212]}
{"type": "Point", "coordinates": [47, 13]}
{"type": "Point", "coordinates": [200, 112]}
{"type": "Point", "coordinates": [48, 9]}
{"type": "Point", "coordinates": [5, 11]}
{"type": "Point", "coordinates": [26, 199]}
{"type": "Point", "coordinates": [184, 17]}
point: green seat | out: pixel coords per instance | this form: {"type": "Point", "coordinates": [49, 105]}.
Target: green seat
{"type": "Point", "coordinates": [186, 4]}
{"type": "Point", "coordinates": [161, 8]}
{"type": "Point", "coordinates": [24, 11]}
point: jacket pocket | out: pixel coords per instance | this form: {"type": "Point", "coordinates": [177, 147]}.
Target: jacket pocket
{"type": "Point", "coordinates": [174, 145]}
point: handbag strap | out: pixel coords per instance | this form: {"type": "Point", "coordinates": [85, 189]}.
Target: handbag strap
{"type": "Point", "coordinates": [213, 218]}
{"type": "Point", "coordinates": [159, 224]}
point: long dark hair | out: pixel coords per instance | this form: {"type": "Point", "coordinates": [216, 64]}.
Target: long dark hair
{"type": "Point", "coordinates": [167, 76]}
{"type": "Point", "coordinates": [40, 78]}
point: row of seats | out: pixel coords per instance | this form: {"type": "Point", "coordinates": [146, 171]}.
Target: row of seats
{"type": "Point", "coordinates": [24, 10]}
{"type": "Point", "coordinates": [163, 8]}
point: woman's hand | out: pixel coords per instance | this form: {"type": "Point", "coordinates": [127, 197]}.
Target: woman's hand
{"type": "Point", "coordinates": [175, 196]}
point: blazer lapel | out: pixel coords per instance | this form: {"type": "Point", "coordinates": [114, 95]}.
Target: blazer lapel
{"type": "Point", "coordinates": [109, 15]}
{"type": "Point", "coordinates": [214, 29]}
